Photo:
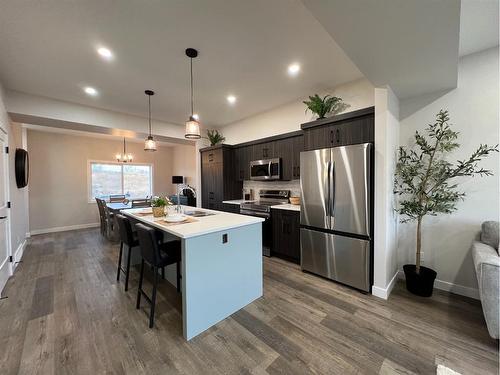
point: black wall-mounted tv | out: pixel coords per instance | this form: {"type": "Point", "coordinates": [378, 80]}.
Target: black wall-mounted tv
{"type": "Point", "coordinates": [22, 168]}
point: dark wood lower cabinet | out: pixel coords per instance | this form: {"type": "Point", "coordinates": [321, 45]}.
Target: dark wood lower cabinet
{"type": "Point", "coordinates": [286, 234]}
{"type": "Point", "coordinates": [233, 208]}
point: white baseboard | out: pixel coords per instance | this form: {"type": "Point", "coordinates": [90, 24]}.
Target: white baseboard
{"type": "Point", "coordinates": [451, 287]}
{"type": "Point", "coordinates": [18, 254]}
{"type": "Point", "coordinates": [385, 292]}
{"type": "Point", "coordinates": [63, 229]}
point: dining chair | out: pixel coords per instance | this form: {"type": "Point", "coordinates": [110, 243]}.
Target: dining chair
{"type": "Point", "coordinates": [157, 255]}
{"type": "Point", "coordinates": [141, 203]}
{"type": "Point", "coordinates": [102, 215]}
{"type": "Point", "coordinates": [116, 198]}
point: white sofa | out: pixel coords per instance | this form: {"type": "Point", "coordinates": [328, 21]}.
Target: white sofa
{"type": "Point", "coordinates": [487, 265]}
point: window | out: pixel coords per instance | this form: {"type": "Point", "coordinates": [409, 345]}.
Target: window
{"type": "Point", "coordinates": [108, 178]}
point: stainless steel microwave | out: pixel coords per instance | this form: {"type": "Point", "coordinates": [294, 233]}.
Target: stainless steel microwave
{"type": "Point", "coordinates": [268, 169]}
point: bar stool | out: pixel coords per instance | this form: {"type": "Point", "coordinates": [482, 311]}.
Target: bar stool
{"type": "Point", "coordinates": [129, 238]}
{"type": "Point", "coordinates": [158, 255]}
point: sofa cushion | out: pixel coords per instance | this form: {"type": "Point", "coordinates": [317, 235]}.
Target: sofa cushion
{"type": "Point", "coordinates": [489, 233]}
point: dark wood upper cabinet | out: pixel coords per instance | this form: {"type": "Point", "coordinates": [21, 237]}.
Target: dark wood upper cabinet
{"type": "Point", "coordinates": [218, 176]}
{"type": "Point", "coordinates": [345, 129]}
{"type": "Point", "coordinates": [288, 149]}
{"type": "Point", "coordinates": [243, 155]}
{"type": "Point", "coordinates": [298, 147]}
{"type": "Point", "coordinates": [263, 151]}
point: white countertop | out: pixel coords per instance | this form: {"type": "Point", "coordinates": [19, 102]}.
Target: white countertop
{"type": "Point", "coordinates": [237, 201]}
{"type": "Point", "coordinates": [287, 206]}
{"type": "Point", "coordinates": [204, 225]}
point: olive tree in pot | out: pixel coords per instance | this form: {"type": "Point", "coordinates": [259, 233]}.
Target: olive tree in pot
{"type": "Point", "coordinates": [426, 185]}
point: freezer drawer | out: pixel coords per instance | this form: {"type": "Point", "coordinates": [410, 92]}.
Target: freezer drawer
{"type": "Point", "coordinates": [343, 259]}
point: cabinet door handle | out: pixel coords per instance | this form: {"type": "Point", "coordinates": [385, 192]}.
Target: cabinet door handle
{"type": "Point", "coordinates": [338, 135]}
{"type": "Point", "coordinates": [3, 217]}
{"type": "Point", "coordinates": [331, 136]}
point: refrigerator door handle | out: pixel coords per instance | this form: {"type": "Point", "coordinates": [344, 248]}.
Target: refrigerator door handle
{"type": "Point", "coordinates": [328, 195]}
{"type": "Point", "coordinates": [332, 195]}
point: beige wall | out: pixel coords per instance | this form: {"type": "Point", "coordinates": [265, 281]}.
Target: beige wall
{"type": "Point", "coordinates": [184, 163]}
{"type": "Point", "coordinates": [58, 193]}
{"type": "Point", "coordinates": [287, 118]}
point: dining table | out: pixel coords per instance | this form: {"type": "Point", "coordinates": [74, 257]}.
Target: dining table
{"type": "Point", "coordinates": [116, 207]}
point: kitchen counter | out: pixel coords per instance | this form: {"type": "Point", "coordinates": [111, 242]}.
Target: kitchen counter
{"type": "Point", "coordinates": [287, 206]}
{"type": "Point", "coordinates": [221, 264]}
{"type": "Point", "coordinates": [217, 222]}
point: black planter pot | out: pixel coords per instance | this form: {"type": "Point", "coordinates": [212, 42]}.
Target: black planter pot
{"type": "Point", "coordinates": [420, 284]}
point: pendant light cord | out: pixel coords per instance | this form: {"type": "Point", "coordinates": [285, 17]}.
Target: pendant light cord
{"type": "Point", "coordinates": [149, 104]}
{"type": "Point", "coordinates": [192, 101]}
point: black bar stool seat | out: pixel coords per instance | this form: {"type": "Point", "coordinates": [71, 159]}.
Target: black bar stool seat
{"type": "Point", "coordinates": [157, 255]}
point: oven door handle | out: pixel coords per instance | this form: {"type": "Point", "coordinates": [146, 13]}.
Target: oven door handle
{"type": "Point", "coordinates": [263, 215]}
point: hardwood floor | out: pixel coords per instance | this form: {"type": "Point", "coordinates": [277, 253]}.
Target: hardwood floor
{"type": "Point", "coordinates": [66, 314]}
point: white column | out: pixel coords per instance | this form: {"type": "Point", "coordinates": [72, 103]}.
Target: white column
{"type": "Point", "coordinates": [386, 220]}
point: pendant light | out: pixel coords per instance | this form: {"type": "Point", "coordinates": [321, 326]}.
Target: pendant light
{"type": "Point", "coordinates": [149, 144]}
{"type": "Point", "coordinates": [124, 158]}
{"type": "Point", "coordinates": [192, 125]}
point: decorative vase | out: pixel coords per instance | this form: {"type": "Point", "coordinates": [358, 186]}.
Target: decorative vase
{"type": "Point", "coordinates": [158, 211]}
{"type": "Point", "coordinates": [421, 284]}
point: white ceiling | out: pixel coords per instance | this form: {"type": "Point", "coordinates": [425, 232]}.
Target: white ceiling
{"type": "Point", "coordinates": [410, 45]}
{"type": "Point", "coordinates": [478, 25]}
{"type": "Point", "coordinates": [48, 49]}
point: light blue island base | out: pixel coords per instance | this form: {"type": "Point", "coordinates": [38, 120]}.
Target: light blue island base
{"type": "Point", "coordinates": [218, 278]}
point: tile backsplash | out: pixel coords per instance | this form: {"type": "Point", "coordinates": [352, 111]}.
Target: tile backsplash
{"type": "Point", "coordinates": [293, 186]}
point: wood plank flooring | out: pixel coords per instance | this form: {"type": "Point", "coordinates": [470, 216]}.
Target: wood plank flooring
{"type": "Point", "coordinates": [66, 314]}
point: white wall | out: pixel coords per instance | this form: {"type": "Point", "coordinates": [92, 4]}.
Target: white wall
{"type": "Point", "coordinates": [17, 213]}
{"type": "Point", "coordinates": [287, 118]}
{"type": "Point", "coordinates": [18, 197]}
{"type": "Point", "coordinates": [184, 163]}
{"type": "Point", "coordinates": [58, 193]}
{"type": "Point", "coordinates": [474, 112]}
{"type": "Point", "coordinates": [386, 225]}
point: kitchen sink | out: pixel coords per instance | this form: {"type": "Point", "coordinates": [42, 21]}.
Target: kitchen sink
{"type": "Point", "coordinates": [197, 213]}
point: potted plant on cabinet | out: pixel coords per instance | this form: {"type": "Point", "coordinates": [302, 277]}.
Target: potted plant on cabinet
{"type": "Point", "coordinates": [327, 105]}
{"type": "Point", "coordinates": [158, 205]}
{"type": "Point", "coordinates": [425, 183]}
{"type": "Point", "coordinates": [215, 137]}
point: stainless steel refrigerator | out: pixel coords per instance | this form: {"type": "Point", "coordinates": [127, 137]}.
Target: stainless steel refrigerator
{"type": "Point", "coordinates": [335, 214]}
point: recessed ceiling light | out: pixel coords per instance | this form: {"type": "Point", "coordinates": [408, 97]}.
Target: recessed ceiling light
{"type": "Point", "coordinates": [90, 91]}
{"type": "Point", "coordinates": [196, 117]}
{"type": "Point", "coordinates": [105, 52]}
{"type": "Point", "coordinates": [231, 99]}
{"type": "Point", "coordinates": [293, 69]}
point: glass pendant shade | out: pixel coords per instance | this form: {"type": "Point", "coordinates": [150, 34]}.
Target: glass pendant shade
{"type": "Point", "coordinates": [192, 125]}
{"type": "Point", "coordinates": [150, 144]}
{"type": "Point", "coordinates": [192, 129]}
{"type": "Point", "coordinates": [123, 158]}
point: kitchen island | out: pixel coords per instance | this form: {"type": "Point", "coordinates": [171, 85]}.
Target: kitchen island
{"type": "Point", "coordinates": [221, 263]}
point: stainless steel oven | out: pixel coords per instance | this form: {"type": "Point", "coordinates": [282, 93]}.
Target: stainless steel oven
{"type": "Point", "coordinates": [268, 169]}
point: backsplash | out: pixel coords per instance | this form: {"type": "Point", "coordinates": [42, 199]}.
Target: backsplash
{"type": "Point", "coordinates": [293, 186]}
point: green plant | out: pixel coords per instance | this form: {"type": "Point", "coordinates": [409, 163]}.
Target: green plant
{"type": "Point", "coordinates": [425, 180]}
{"type": "Point", "coordinates": [160, 202]}
{"type": "Point", "coordinates": [326, 105]}
{"type": "Point", "coordinates": [215, 137]}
